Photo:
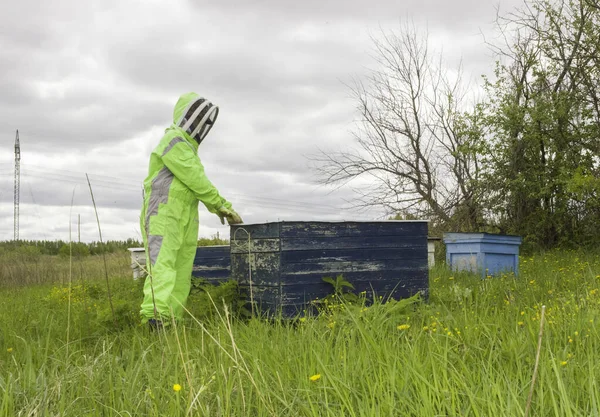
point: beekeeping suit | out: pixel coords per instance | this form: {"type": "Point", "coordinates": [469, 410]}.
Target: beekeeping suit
{"type": "Point", "coordinates": [169, 220]}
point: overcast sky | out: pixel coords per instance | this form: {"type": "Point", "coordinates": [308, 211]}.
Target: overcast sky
{"type": "Point", "coordinates": [91, 86]}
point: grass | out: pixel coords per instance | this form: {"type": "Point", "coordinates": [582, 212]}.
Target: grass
{"type": "Point", "coordinates": [469, 351]}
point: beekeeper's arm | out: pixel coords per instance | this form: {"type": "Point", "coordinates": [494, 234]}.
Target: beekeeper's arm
{"type": "Point", "coordinates": [185, 164]}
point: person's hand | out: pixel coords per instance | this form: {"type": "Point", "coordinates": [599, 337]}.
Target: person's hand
{"type": "Point", "coordinates": [229, 214]}
{"type": "Point", "coordinates": [234, 218]}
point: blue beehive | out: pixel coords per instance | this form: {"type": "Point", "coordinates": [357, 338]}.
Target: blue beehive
{"type": "Point", "coordinates": [212, 263]}
{"type": "Point", "coordinates": [483, 253]}
{"type": "Point", "coordinates": [287, 261]}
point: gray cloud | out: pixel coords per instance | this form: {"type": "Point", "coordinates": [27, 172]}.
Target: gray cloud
{"type": "Point", "coordinates": [91, 87]}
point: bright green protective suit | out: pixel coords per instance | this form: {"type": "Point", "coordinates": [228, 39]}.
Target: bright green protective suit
{"type": "Point", "coordinates": [169, 220]}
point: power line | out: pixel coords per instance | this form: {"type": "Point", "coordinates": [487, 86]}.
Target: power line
{"type": "Point", "coordinates": [273, 205]}
{"type": "Point", "coordinates": [135, 185]}
{"type": "Point", "coordinates": [128, 186]}
{"type": "Point", "coordinates": [35, 206]}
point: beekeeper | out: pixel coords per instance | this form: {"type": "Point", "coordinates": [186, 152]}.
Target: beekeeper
{"type": "Point", "coordinates": [175, 184]}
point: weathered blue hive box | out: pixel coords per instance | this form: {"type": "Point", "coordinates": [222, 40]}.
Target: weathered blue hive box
{"type": "Point", "coordinates": [212, 263]}
{"type": "Point", "coordinates": [284, 263]}
{"type": "Point", "coordinates": [483, 253]}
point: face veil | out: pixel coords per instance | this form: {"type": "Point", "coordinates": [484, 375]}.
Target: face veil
{"type": "Point", "coordinates": [199, 118]}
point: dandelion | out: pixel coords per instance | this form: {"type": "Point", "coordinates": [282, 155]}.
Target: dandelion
{"type": "Point", "coordinates": [315, 377]}
{"type": "Point", "coordinates": [176, 387]}
{"type": "Point", "coordinates": [563, 363]}
{"type": "Point", "coordinates": [404, 327]}
{"type": "Point", "coordinates": [9, 350]}
{"type": "Point", "coordinates": [522, 313]}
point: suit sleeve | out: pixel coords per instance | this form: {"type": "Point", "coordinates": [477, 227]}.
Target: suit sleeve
{"type": "Point", "coordinates": [183, 162]}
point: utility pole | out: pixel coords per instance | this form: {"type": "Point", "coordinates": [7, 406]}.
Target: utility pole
{"type": "Point", "coordinates": [17, 184]}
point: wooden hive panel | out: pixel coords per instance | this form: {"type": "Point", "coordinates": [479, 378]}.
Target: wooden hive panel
{"type": "Point", "coordinates": [289, 260]}
{"type": "Point", "coordinates": [212, 263]}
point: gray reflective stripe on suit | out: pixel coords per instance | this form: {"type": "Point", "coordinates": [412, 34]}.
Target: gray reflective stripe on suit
{"type": "Point", "coordinates": [159, 194]}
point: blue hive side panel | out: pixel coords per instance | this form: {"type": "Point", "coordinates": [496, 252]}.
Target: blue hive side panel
{"type": "Point", "coordinates": [496, 263]}
{"type": "Point", "coordinates": [289, 260]}
{"type": "Point", "coordinates": [212, 263]}
{"type": "Point", "coordinates": [350, 229]}
{"type": "Point", "coordinates": [255, 264]}
{"type": "Point", "coordinates": [263, 267]}
{"type": "Point", "coordinates": [499, 248]}
{"type": "Point", "coordinates": [357, 254]}
{"type": "Point", "coordinates": [381, 259]}
{"type": "Point", "coordinates": [464, 261]}
{"type": "Point", "coordinates": [264, 298]}
{"type": "Point", "coordinates": [359, 242]}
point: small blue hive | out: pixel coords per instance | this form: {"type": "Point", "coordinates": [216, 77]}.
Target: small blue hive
{"type": "Point", "coordinates": [287, 261]}
{"type": "Point", "coordinates": [212, 263]}
{"type": "Point", "coordinates": [484, 253]}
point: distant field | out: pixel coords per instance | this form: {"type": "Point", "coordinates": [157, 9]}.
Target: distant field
{"type": "Point", "coordinates": [468, 351]}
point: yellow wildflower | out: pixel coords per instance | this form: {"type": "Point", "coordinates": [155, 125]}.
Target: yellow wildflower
{"type": "Point", "coordinates": [563, 363]}
{"type": "Point", "coordinates": [404, 327]}
{"type": "Point", "coordinates": [9, 350]}
{"type": "Point", "coordinates": [176, 387]}
{"type": "Point", "coordinates": [520, 323]}
{"type": "Point", "coordinates": [315, 377]}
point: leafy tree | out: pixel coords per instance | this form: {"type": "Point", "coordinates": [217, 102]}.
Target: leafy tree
{"type": "Point", "coordinates": [543, 117]}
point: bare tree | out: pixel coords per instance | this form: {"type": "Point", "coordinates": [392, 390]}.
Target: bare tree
{"type": "Point", "coordinates": [413, 139]}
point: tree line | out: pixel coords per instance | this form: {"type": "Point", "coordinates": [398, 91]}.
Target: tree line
{"type": "Point", "coordinates": [60, 247]}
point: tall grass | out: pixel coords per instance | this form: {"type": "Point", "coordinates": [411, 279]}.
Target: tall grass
{"type": "Point", "coordinates": [25, 268]}
{"type": "Point", "coordinates": [469, 351]}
